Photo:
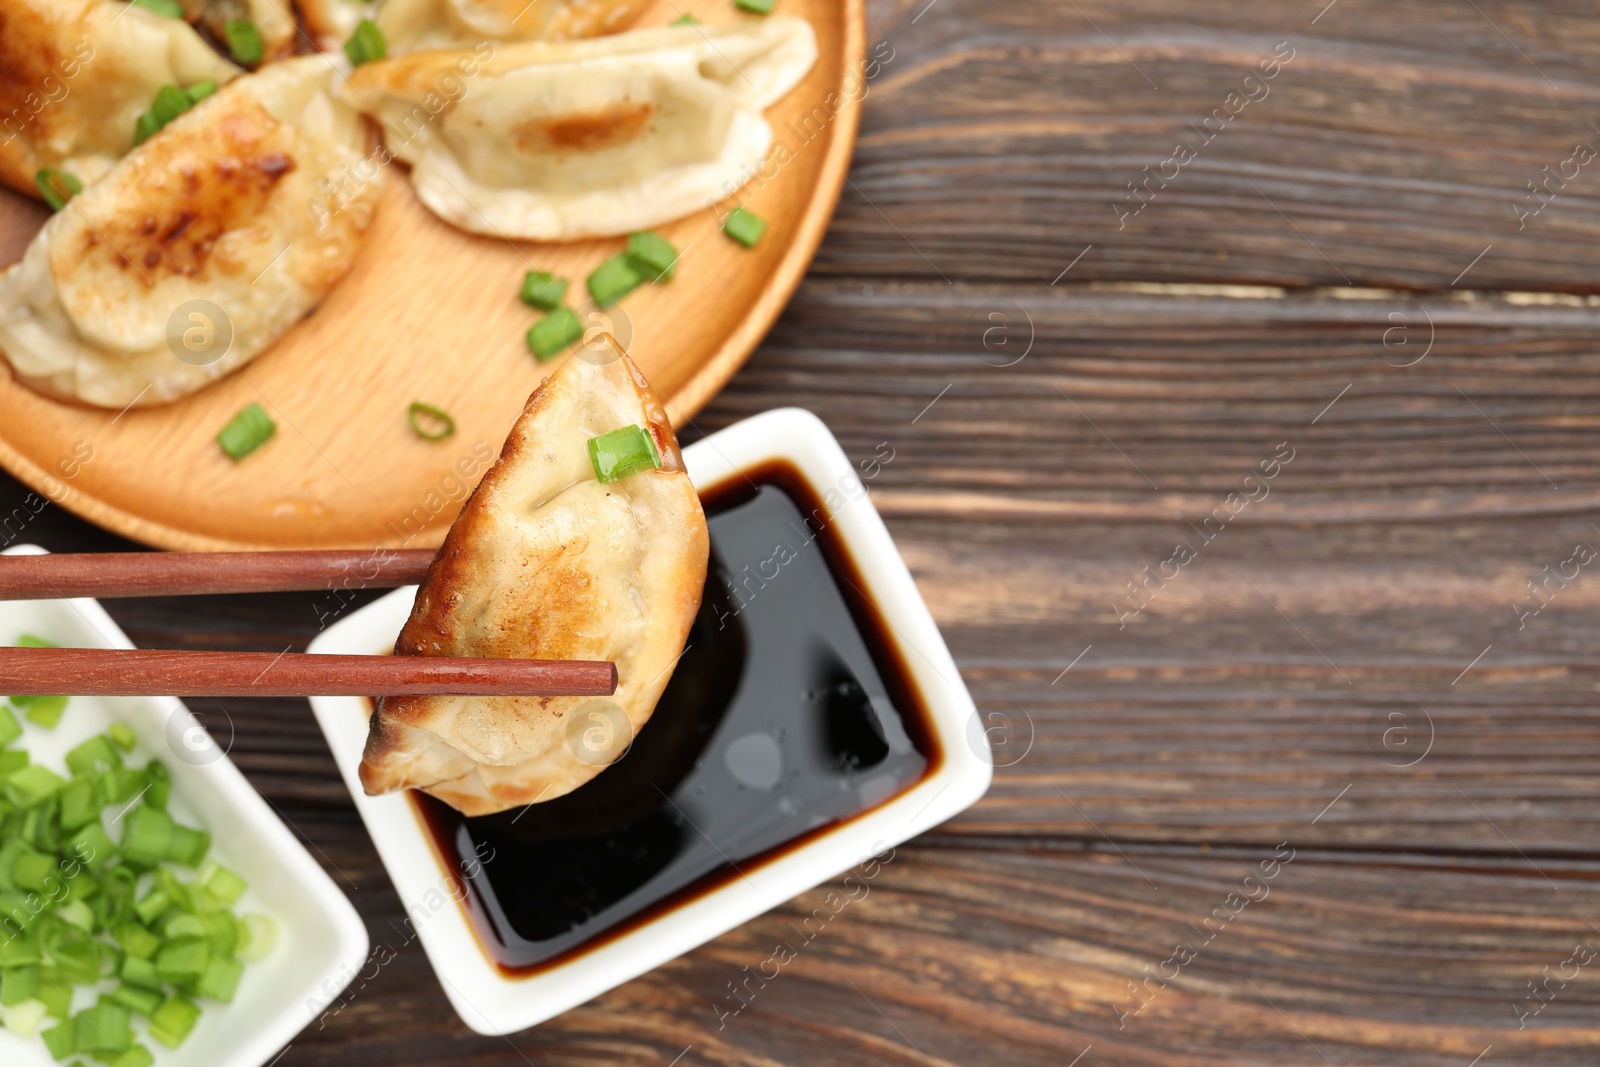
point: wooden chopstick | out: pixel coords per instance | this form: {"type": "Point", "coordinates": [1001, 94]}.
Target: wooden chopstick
{"type": "Point", "coordinates": [150, 672]}
{"type": "Point", "coordinates": [135, 574]}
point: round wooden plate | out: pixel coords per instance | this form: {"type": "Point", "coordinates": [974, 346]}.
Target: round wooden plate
{"type": "Point", "coordinates": [430, 313]}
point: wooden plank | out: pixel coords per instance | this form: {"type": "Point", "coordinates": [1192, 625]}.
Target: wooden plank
{"type": "Point", "coordinates": [950, 956]}
{"type": "Point", "coordinates": [1392, 149]}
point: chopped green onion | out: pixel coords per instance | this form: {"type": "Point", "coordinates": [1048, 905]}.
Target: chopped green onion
{"type": "Point", "coordinates": [32, 641]}
{"type": "Point", "coordinates": [136, 941]}
{"type": "Point", "coordinates": [613, 280]}
{"type": "Point", "coordinates": [57, 996]}
{"type": "Point", "coordinates": [220, 980]}
{"type": "Point", "coordinates": [169, 8]}
{"type": "Point", "coordinates": [183, 961]}
{"type": "Point", "coordinates": [123, 784]}
{"type": "Point", "coordinates": [18, 984]}
{"type": "Point", "coordinates": [244, 42]}
{"type": "Point", "coordinates": [92, 756]}
{"type": "Point", "coordinates": [189, 847]}
{"type": "Point", "coordinates": [57, 187]}
{"type": "Point", "coordinates": [743, 227]}
{"type": "Point", "coordinates": [221, 883]}
{"type": "Point", "coordinates": [259, 938]}
{"type": "Point", "coordinates": [178, 925]}
{"type": "Point", "coordinates": [78, 804]}
{"type": "Point", "coordinates": [152, 906]}
{"type": "Point", "coordinates": [10, 728]}
{"type": "Point", "coordinates": [759, 7]}
{"type": "Point", "coordinates": [69, 896]}
{"type": "Point", "coordinates": [652, 255]}
{"type": "Point", "coordinates": [24, 1017]}
{"type": "Point", "coordinates": [137, 1056]}
{"type": "Point", "coordinates": [32, 784]}
{"type": "Point", "coordinates": [46, 711]}
{"type": "Point", "coordinates": [249, 430]}
{"type": "Point", "coordinates": [685, 20]}
{"type": "Point", "coordinates": [543, 290]}
{"type": "Point", "coordinates": [143, 1001]}
{"type": "Point", "coordinates": [104, 1028]}
{"type": "Point", "coordinates": [147, 836]}
{"type": "Point", "coordinates": [551, 335]}
{"type": "Point", "coordinates": [365, 44]}
{"type": "Point", "coordinates": [145, 128]}
{"type": "Point", "coordinates": [160, 785]}
{"type": "Point", "coordinates": [430, 423]}
{"type": "Point", "coordinates": [140, 972]}
{"type": "Point", "coordinates": [622, 452]}
{"type": "Point", "coordinates": [78, 914]}
{"type": "Point", "coordinates": [122, 736]}
{"type": "Point", "coordinates": [173, 1022]}
{"type": "Point", "coordinates": [169, 103]}
{"type": "Point", "coordinates": [62, 1041]}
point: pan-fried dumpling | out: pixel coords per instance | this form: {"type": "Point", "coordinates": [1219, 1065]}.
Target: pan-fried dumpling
{"type": "Point", "coordinates": [198, 249]}
{"type": "Point", "coordinates": [416, 25]}
{"type": "Point", "coordinates": [75, 75]}
{"type": "Point", "coordinates": [548, 562]}
{"type": "Point", "coordinates": [331, 22]}
{"type": "Point", "coordinates": [272, 18]}
{"type": "Point", "coordinates": [549, 141]}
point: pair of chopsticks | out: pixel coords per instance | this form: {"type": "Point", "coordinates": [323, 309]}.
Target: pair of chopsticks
{"type": "Point", "coordinates": [146, 672]}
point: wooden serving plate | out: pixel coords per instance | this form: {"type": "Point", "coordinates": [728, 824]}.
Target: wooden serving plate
{"type": "Point", "coordinates": [430, 313]}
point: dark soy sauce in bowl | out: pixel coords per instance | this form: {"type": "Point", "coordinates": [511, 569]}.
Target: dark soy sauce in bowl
{"type": "Point", "coordinates": [791, 712]}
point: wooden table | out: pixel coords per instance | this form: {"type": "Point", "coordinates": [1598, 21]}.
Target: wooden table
{"type": "Point", "coordinates": [1345, 285]}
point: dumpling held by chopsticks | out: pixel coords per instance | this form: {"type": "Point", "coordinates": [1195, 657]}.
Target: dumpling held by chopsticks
{"type": "Point", "coordinates": [585, 541]}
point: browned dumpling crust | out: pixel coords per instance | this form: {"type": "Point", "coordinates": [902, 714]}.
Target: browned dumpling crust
{"type": "Point", "coordinates": [222, 214]}
{"type": "Point", "coordinates": [75, 75]}
{"type": "Point", "coordinates": [548, 562]}
{"type": "Point", "coordinates": [416, 25]}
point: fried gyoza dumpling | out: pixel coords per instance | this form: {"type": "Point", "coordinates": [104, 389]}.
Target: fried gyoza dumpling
{"type": "Point", "coordinates": [548, 562]}
{"type": "Point", "coordinates": [272, 18]}
{"type": "Point", "coordinates": [416, 25]}
{"type": "Point", "coordinates": [331, 22]}
{"type": "Point", "coordinates": [548, 141]}
{"type": "Point", "coordinates": [198, 249]}
{"type": "Point", "coordinates": [75, 75]}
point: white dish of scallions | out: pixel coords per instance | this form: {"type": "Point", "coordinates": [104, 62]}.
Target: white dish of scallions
{"type": "Point", "coordinates": [154, 911]}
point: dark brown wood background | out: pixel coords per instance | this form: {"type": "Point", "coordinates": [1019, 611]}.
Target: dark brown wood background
{"type": "Point", "coordinates": [1351, 240]}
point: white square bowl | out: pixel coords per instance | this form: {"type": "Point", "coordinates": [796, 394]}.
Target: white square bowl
{"type": "Point", "coordinates": [321, 940]}
{"type": "Point", "coordinates": [490, 1001]}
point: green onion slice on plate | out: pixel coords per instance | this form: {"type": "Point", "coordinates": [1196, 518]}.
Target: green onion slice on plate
{"type": "Point", "coordinates": [429, 422]}
{"type": "Point", "coordinates": [366, 44]}
{"type": "Point", "coordinates": [744, 227]}
{"type": "Point", "coordinates": [244, 42]}
{"type": "Point", "coordinates": [249, 430]}
{"type": "Point", "coordinates": [57, 187]}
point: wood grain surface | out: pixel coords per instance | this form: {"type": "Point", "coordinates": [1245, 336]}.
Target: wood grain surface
{"type": "Point", "coordinates": [1275, 698]}
{"type": "Point", "coordinates": [429, 313]}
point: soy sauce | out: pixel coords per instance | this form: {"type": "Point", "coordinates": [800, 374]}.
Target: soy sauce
{"type": "Point", "coordinates": [791, 712]}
